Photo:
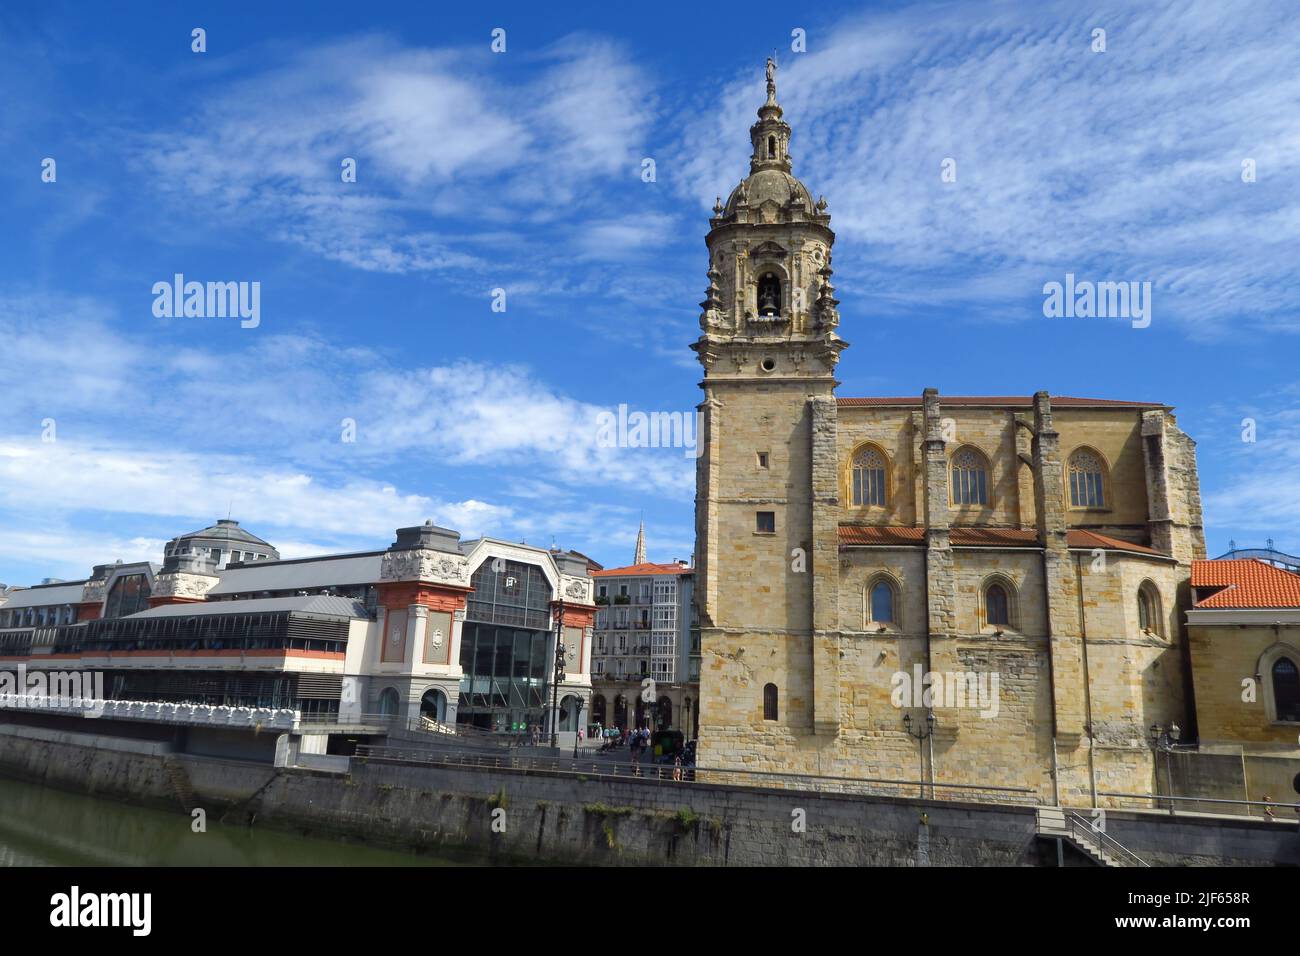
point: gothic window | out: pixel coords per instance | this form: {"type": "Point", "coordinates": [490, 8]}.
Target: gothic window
{"type": "Point", "coordinates": [1087, 479]}
{"type": "Point", "coordinates": [869, 478]}
{"type": "Point", "coordinates": [969, 478]}
{"type": "Point", "coordinates": [997, 606]}
{"type": "Point", "coordinates": [1286, 689]}
{"type": "Point", "coordinates": [880, 602]}
{"type": "Point", "coordinates": [769, 702]}
{"type": "Point", "coordinates": [1149, 609]}
{"type": "Point", "coordinates": [769, 294]}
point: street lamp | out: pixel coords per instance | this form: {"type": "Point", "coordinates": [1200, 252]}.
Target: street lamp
{"type": "Point", "coordinates": [920, 736]}
{"type": "Point", "coordinates": [1166, 741]}
{"type": "Point", "coordinates": [577, 723]}
{"type": "Point", "coordinates": [559, 676]}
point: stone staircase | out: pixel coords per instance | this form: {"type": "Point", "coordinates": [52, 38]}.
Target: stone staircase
{"type": "Point", "coordinates": [1058, 823]}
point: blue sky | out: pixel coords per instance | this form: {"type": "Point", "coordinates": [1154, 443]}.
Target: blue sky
{"type": "Point", "coordinates": [522, 170]}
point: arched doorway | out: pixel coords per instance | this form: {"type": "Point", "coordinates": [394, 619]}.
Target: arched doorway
{"type": "Point", "coordinates": [569, 707]}
{"type": "Point", "coordinates": [640, 711]}
{"type": "Point", "coordinates": [664, 714]}
{"type": "Point", "coordinates": [433, 705]}
{"type": "Point", "coordinates": [598, 710]}
{"type": "Point", "coordinates": [389, 702]}
{"type": "Point", "coordinates": [620, 711]}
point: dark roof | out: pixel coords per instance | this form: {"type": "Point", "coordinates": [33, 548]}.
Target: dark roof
{"type": "Point", "coordinates": [309, 604]}
{"type": "Point", "coordinates": [335, 570]}
{"type": "Point", "coordinates": [227, 530]}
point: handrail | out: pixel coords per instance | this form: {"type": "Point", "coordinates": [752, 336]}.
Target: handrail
{"type": "Point", "coordinates": [1156, 797]}
{"type": "Point", "coordinates": [670, 773]}
{"type": "Point", "coordinates": [1091, 835]}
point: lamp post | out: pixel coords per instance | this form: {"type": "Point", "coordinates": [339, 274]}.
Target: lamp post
{"type": "Point", "coordinates": [577, 722]}
{"type": "Point", "coordinates": [920, 736]}
{"type": "Point", "coordinates": [559, 677]}
{"type": "Point", "coordinates": [1165, 740]}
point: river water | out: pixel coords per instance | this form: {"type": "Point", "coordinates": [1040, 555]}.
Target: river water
{"type": "Point", "coordinates": [40, 826]}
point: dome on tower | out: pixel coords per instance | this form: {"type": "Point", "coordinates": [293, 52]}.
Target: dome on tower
{"type": "Point", "coordinates": [770, 185]}
{"type": "Point", "coordinates": [771, 192]}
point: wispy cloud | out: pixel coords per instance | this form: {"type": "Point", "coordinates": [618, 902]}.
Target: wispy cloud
{"type": "Point", "coordinates": [439, 137]}
{"type": "Point", "coordinates": [1124, 164]}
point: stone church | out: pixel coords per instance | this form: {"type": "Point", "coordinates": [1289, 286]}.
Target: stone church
{"type": "Point", "coordinates": [985, 591]}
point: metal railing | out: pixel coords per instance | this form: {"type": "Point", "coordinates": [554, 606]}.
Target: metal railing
{"type": "Point", "coordinates": [1087, 833]}
{"type": "Point", "coordinates": [1156, 799]}
{"type": "Point", "coordinates": [659, 773]}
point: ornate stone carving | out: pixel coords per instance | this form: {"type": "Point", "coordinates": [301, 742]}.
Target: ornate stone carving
{"type": "Point", "coordinates": [421, 565]}
{"type": "Point", "coordinates": [183, 585]}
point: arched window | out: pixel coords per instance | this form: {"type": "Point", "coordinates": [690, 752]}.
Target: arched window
{"type": "Point", "coordinates": [869, 478]}
{"type": "Point", "coordinates": [1149, 609]}
{"type": "Point", "coordinates": [1286, 689]}
{"type": "Point", "coordinates": [129, 594]}
{"type": "Point", "coordinates": [433, 705]}
{"type": "Point", "coordinates": [769, 702]}
{"type": "Point", "coordinates": [880, 603]}
{"type": "Point", "coordinates": [769, 294]}
{"type": "Point", "coordinates": [771, 147]}
{"type": "Point", "coordinates": [997, 606]}
{"type": "Point", "coordinates": [388, 702]}
{"type": "Point", "coordinates": [970, 478]}
{"type": "Point", "coordinates": [1087, 480]}
{"type": "Point", "coordinates": [664, 713]}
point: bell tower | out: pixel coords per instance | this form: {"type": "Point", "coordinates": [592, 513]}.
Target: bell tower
{"type": "Point", "coordinates": [766, 485]}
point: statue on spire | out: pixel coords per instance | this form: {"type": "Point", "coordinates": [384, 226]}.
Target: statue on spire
{"type": "Point", "coordinates": [771, 79]}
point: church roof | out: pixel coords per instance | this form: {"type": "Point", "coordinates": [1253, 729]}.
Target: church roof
{"type": "Point", "coordinates": [997, 401]}
{"type": "Point", "coordinates": [985, 538]}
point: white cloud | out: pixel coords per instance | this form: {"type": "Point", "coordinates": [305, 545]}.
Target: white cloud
{"type": "Point", "coordinates": [1123, 164]}
{"type": "Point", "coordinates": [433, 131]}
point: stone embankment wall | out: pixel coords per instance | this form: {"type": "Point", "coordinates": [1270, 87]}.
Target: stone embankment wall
{"type": "Point", "coordinates": [530, 816]}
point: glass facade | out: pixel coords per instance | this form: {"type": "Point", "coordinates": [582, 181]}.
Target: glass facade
{"type": "Point", "coordinates": [504, 648]}
{"type": "Point", "coordinates": [505, 677]}
{"type": "Point", "coordinates": [130, 594]}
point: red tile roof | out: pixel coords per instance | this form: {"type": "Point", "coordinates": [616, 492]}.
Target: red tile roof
{"type": "Point", "coordinates": [984, 537]}
{"type": "Point", "coordinates": [1078, 538]}
{"type": "Point", "coordinates": [632, 570]}
{"type": "Point", "coordinates": [1245, 582]}
{"type": "Point", "coordinates": [1010, 401]}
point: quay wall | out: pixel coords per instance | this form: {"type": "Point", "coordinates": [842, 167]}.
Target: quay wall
{"type": "Point", "coordinates": [504, 815]}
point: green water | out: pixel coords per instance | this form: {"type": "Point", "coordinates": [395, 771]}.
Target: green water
{"type": "Point", "coordinates": [44, 827]}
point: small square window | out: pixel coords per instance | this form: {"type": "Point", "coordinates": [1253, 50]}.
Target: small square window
{"type": "Point", "coordinates": [762, 459]}
{"type": "Point", "coordinates": [766, 522]}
